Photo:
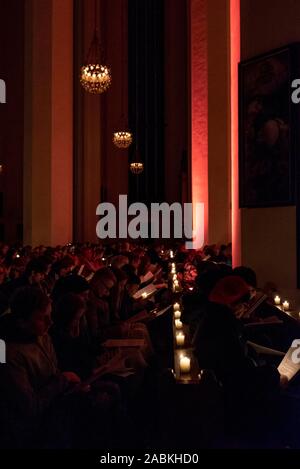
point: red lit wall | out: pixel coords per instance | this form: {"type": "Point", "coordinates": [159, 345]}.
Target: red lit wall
{"type": "Point", "coordinates": [234, 60]}
{"type": "Point", "coordinates": [199, 106]}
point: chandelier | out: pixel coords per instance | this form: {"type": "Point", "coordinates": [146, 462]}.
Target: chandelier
{"type": "Point", "coordinates": [122, 138]}
{"type": "Point", "coordinates": [94, 76]}
{"type": "Point", "coordinates": [136, 167]}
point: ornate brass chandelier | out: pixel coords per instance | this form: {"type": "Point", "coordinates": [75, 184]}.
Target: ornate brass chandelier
{"type": "Point", "coordinates": [94, 76]}
{"type": "Point", "coordinates": [123, 138]}
{"type": "Point", "coordinates": [136, 167]}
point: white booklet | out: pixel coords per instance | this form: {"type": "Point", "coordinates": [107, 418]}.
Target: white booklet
{"type": "Point", "coordinates": [290, 365]}
{"type": "Point", "coordinates": [261, 350]}
{"type": "Point", "coordinates": [161, 311]}
{"type": "Point", "coordinates": [147, 277]}
{"type": "Point", "coordinates": [145, 292]}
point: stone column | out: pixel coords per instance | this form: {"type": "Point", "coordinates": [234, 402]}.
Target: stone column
{"type": "Point", "coordinates": [48, 126]}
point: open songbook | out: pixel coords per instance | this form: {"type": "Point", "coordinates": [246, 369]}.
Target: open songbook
{"type": "Point", "coordinates": [261, 350]}
{"type": "Point", "coordinates": [123, 343]}
{"type": "Point", "coordinates": [144, 316]}
{"type": "Point", "coordinates": [145, 292]}
{"type": "Point", "coordinates": [146, 278]}
{"type": "Point", "coordinates": [115, 366]}
{"type": "Point", "coordinates": [290, 364]}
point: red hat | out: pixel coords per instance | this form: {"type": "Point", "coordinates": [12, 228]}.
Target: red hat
{"type": "Point", "coordinates": [229, 290]}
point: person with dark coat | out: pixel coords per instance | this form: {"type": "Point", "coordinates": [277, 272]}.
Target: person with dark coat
{"type": "Point", "coordinates": [220, 346]}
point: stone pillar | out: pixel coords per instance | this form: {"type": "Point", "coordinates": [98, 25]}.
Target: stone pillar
{"type": "Point", "coordinates": [48, 127]}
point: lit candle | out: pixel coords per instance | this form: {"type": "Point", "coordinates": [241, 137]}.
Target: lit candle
{"type": "Point", "coordinates": [174, 277]}
{"type": "Point", "coordinates": [173, 265]}
{"type": "Point", "coordinates": [180, 339]}
{"type": "Point", "coordinates": [176, 306]}
{"type": "Point", "coordinates": [171, 254]}
{"type": "Point", "coordinates": [277, 300]}
{"type": "Point", "coordinates": [177, 314]}
{"type": "Point", "coordinates": [178, 324]}
{"type": "Point", "coordinates": [286, 305]}
{"type": "Point", "coordinates": [144, 295]}
{"type": "Point", "coordinates": [176, 283]}
{"type": "Point", "coordinates": [185, 364]}
{"type": "Point", "coordinates": [173, 271]}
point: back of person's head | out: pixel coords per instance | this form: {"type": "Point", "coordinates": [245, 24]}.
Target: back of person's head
{"type": "Point", "coordinates": [128, 269]}
{"type": "Point", "coordinates": [64, 265]}
{"type": "Point", "coordinates": [120, 275]}
{"type": "Point", "coordinates": [66, 309]}
{"type": "Point", "coordinates": [206, 281]}
{"type": "Point", "coordinates": [247, 274]}
{"type": "Point", "coordinates": [144, 265]}
{"type": "Point", "coordinates": [133, 279]}
{"type": "Point", "coordinates": [28, 300]}
{"type": "Point", "coordinates": [70, 284]}
{"type": "Point", "coordinates": [103, 275]}
{"type": "Point", "coordinates": [229, 291]}
{"type": "Point", "coordinates": [38, 265]}
{"type": "Point", "coordinates": [117, 262]}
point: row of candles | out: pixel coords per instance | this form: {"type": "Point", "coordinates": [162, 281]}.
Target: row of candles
{"type": "Point", "coordinates": [174, 277]}
{"type": "Point", "coordinates": [285, 304]}
{"type": "Point", "coordinates": [184, 362]}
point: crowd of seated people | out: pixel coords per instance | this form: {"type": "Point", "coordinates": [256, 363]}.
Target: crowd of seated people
{"type": "Point", "coordinates": [62, 386]}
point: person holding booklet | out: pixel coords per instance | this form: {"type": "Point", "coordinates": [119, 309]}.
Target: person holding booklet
{"type": "Point", "coordinates": [35, 393]}
{"type": "Point", "coordinates": [220, 345]}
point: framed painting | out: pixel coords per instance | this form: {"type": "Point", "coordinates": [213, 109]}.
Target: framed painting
{"type": "Point", "coordinates": [268, 128]}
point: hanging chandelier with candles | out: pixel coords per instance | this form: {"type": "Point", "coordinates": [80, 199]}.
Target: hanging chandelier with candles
{"type": "Point", "coordinates": [122, 138]}
{"type": "Point", "coordinates": [137, 167]}
{"type": "Point", "coordinates": [94, 76]}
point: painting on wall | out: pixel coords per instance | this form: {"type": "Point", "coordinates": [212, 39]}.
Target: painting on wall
{"type": "Point", "coordinates": [268, 128]}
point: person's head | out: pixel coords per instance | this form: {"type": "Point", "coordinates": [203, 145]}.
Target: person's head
{"type": "Point", "coordinates": [144, 265]}
{"type": "Point", "coordinates": [3, 273]}
{"type": "Point", "coordinates": [68, 312]}
{"type": "Point", "coordinates": [135, 261]}
{"type": "Point", "coordinates": [133, 284]}
{"type": "Point", "coordinates": [87, 254]}
{"type": "Point", "coordinates": [246, 274]}
{"type": "Point", "coordinates": [270, 132]}
{"type": "Point", "coordinates": [102, 283]}
{"type": "Point", "coordinates": [118, 262]}
{"type": "Point", "coordinates": [207, 279]}
{"type": "Point", "coordinates": [71, 284]}
{"type": "Point", "coordinates": [32, 309]}
{"type": "Point", "coordinates": [121, 277]}
{"type": "Point", "coordinates": [230, 291]}
{"type": "Point", "coordinates": [64, 266]}
{"type": "Point", "coordinates": [17, 268]}
{"type": "Point", "coordinates": [36, 270]}
{"type": "Point", "coordinates": [124, 246]}
{"type": "Point", "coordinates": [222, 249]}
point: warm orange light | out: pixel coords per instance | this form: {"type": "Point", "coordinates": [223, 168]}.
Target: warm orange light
{"type": "Point", "coordinates": [234, 60]}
